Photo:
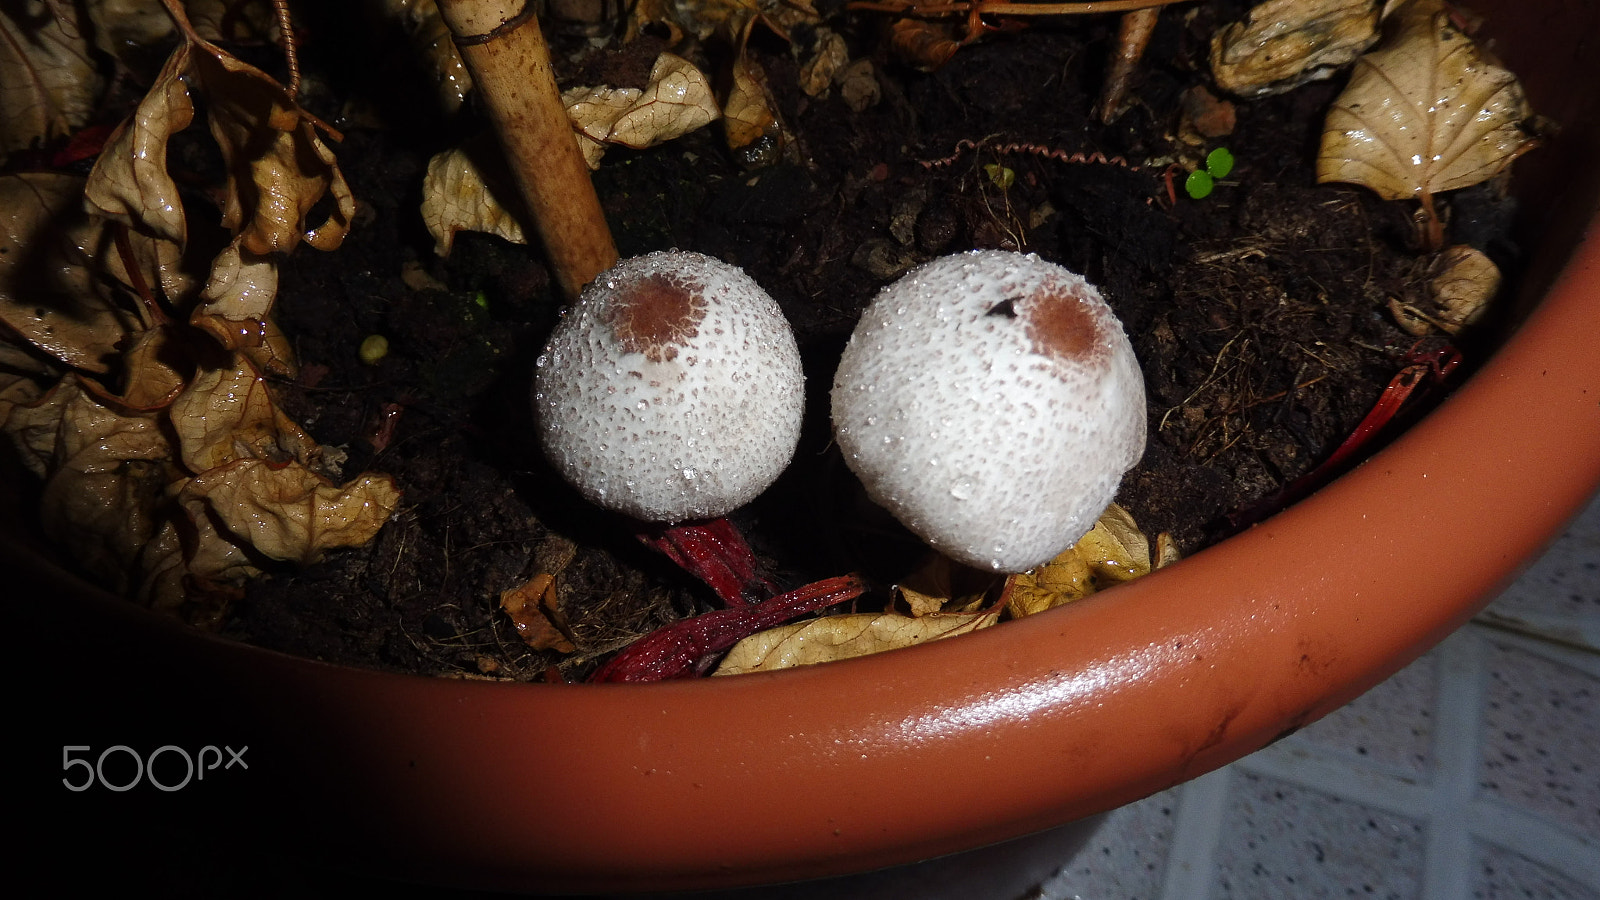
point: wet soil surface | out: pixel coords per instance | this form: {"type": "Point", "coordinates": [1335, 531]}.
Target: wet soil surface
{"type": "Point", "coordinates": [1258, 314]}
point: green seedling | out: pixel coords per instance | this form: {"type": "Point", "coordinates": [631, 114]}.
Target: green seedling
{"type": "Point", "coordinates": [1219, 163]}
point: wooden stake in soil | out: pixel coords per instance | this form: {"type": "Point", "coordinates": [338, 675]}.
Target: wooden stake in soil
{"type": "Point", "coordinates": [505, 51]}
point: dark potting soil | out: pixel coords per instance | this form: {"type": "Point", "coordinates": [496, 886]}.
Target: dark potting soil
{"type": "Point", "coordinates": [1258, 313]}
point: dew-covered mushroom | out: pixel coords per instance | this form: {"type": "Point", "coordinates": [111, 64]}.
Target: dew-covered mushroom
{"type": "Point", "coordinates": [672, 390]}
{"type": "Point", "coordinates": [991, 402]}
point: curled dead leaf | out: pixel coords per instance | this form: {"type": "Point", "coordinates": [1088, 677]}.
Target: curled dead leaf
{"type": "Point", "coordinates": [676, 101]}
{"type": "Point", "coordinates": [49, 293]}
{"type": "Point", "coordinates": [1425, 112]}
{"type": "Point", "coordinates": [226, 414]}
{"type": "Point", "coordinates": [287, 511]}
{"type": "Point", "coordinates": [1283, 44]}
{"type": "Point", "coordinates": [48, 82]}
{"type": "Point", "coordinates": [843, 637]}
{"type": "Point", "coordinates": [457, 197]}
{"type": "Point", "coordinates": [535, 611]}
{"type": "Point", "coordinates": [1114, 551]}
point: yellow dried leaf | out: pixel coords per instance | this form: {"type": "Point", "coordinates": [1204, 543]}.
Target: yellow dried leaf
{"type": "Point", "coordinates": [1425, 112]}
{"type": "Point", "coordinates": [1284, 43]}
{"type": "Point", "coordinates": [227, 414]}
{"type": "Point", "coordinates": [236, 309]}
{"type": "Point", "coordinates": [288, 512]}
{"type": "Point", "coordinates": [676, 101]}
{"type": "Point", "coordinates": [431, 37]}
{"type": "Point", "coordinates": [35, 425]}
{"type": "Point", "coordinates": [48, 82]}
{"type": "Point", "coordinates": [536, 614]}
{"type": "Point", "coordinates": [456, 196]}
{"type": "Point", "coordinates": [750, 125]}
{"type": "Point", "coordinates": [279, 168]}
{"type": "Point", "coordinates": [843, 637]}
{"type": "Point", "coordinates": [49, 294]}
{"type": "Point", "coordinates": [941, 585]}
{"type": "Point", "coordinates": [1115, 550]}
{"type": "Point", "coordinates": [108, 476]}
{"type": "Point", "coordinates": [150, 381]}
{"type": "Point", "coordinates": [1464, 282]}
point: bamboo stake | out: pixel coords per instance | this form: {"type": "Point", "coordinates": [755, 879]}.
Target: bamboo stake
{"type": "Point", "coordinates": [503, 48]}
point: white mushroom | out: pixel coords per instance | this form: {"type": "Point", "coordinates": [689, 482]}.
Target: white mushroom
{"type": "Point", "coordinates": [672, 390]}
{"type": "Point", "coordinates": [991, 402]}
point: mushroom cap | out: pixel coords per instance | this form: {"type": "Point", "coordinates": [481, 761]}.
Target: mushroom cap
{"type": "Point", "coordinates": [991, 402]}
{"type": "Point", "coordinates": [671, 390]}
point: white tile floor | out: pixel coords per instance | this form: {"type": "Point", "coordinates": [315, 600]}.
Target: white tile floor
{"type": "Point", "coordinates": [1473, 773]}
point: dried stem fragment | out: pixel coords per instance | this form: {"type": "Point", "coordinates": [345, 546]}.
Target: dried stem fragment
{"type": "Point", "coordinates": [503, 48]}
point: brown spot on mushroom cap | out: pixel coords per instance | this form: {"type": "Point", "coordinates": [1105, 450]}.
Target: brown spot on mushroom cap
{"type": "Point", "coordinates": [1063, 324]}
{"type": "Point", "coordinates": [655, 315]}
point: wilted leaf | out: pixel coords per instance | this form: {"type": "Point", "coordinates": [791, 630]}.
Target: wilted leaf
{"type": "Point", "coordinates": [940, 585]}
{"type": "Point", "coordinates": [236, 309]}
{"type": "Point", "coordinates": [150, 381]}
{"type": "Point", "coordinates": [49, 294]}
{"type": "Point", "coordinates": [1425, 112]}
{"type": "Point", "coordinates": [108, 475]}
{"type": "Point", "coordinates": [1285, 43]}
{"type": "Point", "coordinates": [456, 197]}
{"type": "Point", "coordinates": [227, 414]}
{"type": "Point", "coordinates": [126, 28]}
{"type": "Point", "coordinates": [751, 127]}
{"type": "Point", "coordinates": [1461, 282]}
{"type": "Point", "coordinates": [1115, 550]}
{"type": "Point", "coordinates": [676, 101]}
{"type": "Point", "coordinates": [34, 426]}
{"type": "Point", "coordinates": [843, 637]}
{"type": "Point", "coordinates": [288, 512]}
{"type": "Point", "coordinates": [47, 80]}
{"type": "Point", "coordinates": [535, 613]}
{"type": "Point", "coordinates": [431, 37]}
{"type": "Point", "coordinates": [279, 168]}
{"type": "Point", "coordinates": [826, 63]}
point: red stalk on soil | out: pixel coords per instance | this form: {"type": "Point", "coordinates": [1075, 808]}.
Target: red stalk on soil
{"type": "Point", "coordinates": [688, 647]}
{"type": "Point", "coordinates": [1438, 364]}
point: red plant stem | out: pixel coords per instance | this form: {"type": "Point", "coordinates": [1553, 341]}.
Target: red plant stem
{"type": "Point", "coordinates": [1439, 364]}
{"type": "Point", "coordinates": [715, 552]}
{"type": "Point", "coordinates": [689, 647]}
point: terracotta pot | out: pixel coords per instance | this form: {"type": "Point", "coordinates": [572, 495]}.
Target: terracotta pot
{"type": "Point", "coordinates": [893, 758]}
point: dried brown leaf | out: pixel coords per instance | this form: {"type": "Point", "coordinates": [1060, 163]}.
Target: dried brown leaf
{"type": "Point", "coordinates": [1425, 112]}
{"type": "Point", "coordinates": [236, 309]}
{"type": "Point", "coordinates": [1115, 550]}
{"type": "Point", "coordinates": [1282, 44]}
{"type": "Point", "coordinates": [288, 512]}
{"type": "Point", "coordinates": [108, 475]}
{"type": "Point", "coordinates": [456, 196]}
{"type": "Point", "coordinates": [536, 614]}
{"type": "Point", "coordinates": [48, 82]}
{"type": "Point", "coordinates": [226, 414]}
{"type": "Point", "coordinates": [676, 101]}
{"type": "Point", "coordinates": [843, 637]}
{"type": "Point", "coordinates": [49, 294]}
{"type": "Point", "coordinates": [279, 167]}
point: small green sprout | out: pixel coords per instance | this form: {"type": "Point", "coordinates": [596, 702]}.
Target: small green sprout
{"type": "Point", "coordinates": [1002, 176]}
{"type": "Point", "coordinates": [481, 299]}
{"type": "Point", "coordinates": [1219, 163]}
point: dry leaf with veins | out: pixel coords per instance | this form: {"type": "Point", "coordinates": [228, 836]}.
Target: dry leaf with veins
{"type": "Point", "coordinates": [288, 512]}
{"type": "Point", "coordinates": [457, 197]}
{"type": "Point", "coordinates": [676, 101]}
{"type": "Point", "coordinates": [168, 468]}
{"type": "Point", "coordinates": [1426, 112]}
{"type": "Point", "coordinates": [843, 637]}
{"type": "Point", "coordinates": [48, 83]}
{"type": "Point", "coordinates": [48, 296]}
